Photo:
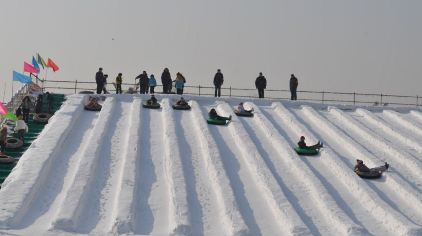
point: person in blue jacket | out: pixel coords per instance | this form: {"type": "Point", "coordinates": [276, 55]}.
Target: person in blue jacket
{"type": "Point", "coordinates": [180, 83]}
{"type": "Point", "coordinates": [152, 83]}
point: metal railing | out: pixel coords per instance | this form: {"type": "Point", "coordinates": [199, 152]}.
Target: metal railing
{"type": "Point", "coordinates": [354, 98]}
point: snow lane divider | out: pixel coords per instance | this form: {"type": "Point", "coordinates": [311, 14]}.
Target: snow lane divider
{"type": "Point", "coordinates": [397, 185]}
{"type": "Point", "coordinates": [180, 221]}
{"type": "Point", "coordinates": [32, 169]}
{"type": "Point", "coordinates": [375, 121]}
{"type": "Point", "coordinates": [121, 217]}
{"type": "Point", "coordinates": [76, 200]}
{"type": "Point", "coordinates": [416, 114]}
{"type": "Point", "coordinates": [403, 122]}
{"type": "Point", "coordinates": [323, 201]}
{"type": "Point", "coordinates": [282, 209]}
{"type": "Point", "coordinates": [390, 218]}
{"type": "Point", "coordinates": [231, 219]}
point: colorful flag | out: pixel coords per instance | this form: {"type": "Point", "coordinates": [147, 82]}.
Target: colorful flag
{"type": "Point", "coordinates": [10, 116]}
{"type": "Point", "coordinates": [41, 61]}
{"type": "Point", "coordinates": [3, 109]}
{"type": "Point", "coordinates": [52, 65]}
{"type": "Point", "coordinates": [21, 78]}
{"type": "Point", "coordinates": [30, 69]}
{"type": "Point", "coordinates": [35, 64]}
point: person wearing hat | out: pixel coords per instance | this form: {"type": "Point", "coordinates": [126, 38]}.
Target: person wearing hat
{"type": "Point", "coordinates": [363, 168]}
{"type": "Point", "coordinates": [99, 77]}
{"type": "Point", "coordinates": [218, 82]}
{"type": "Point", "coordinates": [143, 82]}
{"type": "Point", "coordinates": [293, 86]}
{"type": "Point", "coordinates": [302, 144]}
{"type": "Point", "coordinates": [261, 84]}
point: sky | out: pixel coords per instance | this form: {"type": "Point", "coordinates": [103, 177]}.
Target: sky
{"type": "Point", "coordinates": [331, 45]}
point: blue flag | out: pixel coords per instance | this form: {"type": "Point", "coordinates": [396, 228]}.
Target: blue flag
{"type": "Point", "coordinates": [21, 78]}
{"type": "Point", "coordinates": [35, 64]}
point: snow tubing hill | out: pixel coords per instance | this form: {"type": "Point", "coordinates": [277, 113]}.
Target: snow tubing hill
{"type": "Point", "coordinates": [93, 108]}
{"type": "Point", "coordinates": [181, 107]}
{"type": "Point", "coordinates": [369, 175]}
{"type": "Point", "coordinates": [244, 113]}
{"type": "Point", "coordinates": [216, 121]}
{"type": "Point", "coordinates": [306, 151]}
{"type": "Point", "coordinates": [151, 106]}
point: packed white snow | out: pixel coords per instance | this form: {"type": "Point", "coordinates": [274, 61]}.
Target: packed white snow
{"type": "Point", "coordinates": [136, 171]}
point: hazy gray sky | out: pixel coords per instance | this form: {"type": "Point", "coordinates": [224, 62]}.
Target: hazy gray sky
{"type": "Point", "coordinates": [335, 45]}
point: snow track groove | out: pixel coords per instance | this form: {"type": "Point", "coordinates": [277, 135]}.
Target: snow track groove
{"type": "Point", "coordinates": [324, 201]}
{"type": "Point", "coordinates": [417, 115]}
{"type": "Point", "coordinates": [374, 204]}
{"type": "Point", "coordinates": [231, 218]}
{"type": "Point", "coordinates": [275, 198]}
{"type": "Point", "coordinates": [395, 116]}
{"type": "Point", "coordinates": [76, 209]}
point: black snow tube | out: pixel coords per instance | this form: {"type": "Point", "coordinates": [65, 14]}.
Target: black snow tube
{"type": "Point", "coordinates": [41, 118]}
{"type": "Point", "coordinates": [86, 92]}
{"type": "Point", "coordinates": [151, 106]}
{"type": "Point", "coordinates": [13, 143]}
{"type": "Point", "coordinates": [5, 159]}
{"type": "Point", "coordinates": [181, 107]}
{"type": "Point", "coordinates": [96, 107]}
{"type": "Point", "coordinates": [243, 113]}
{"type": "Point", "coordinates": [373, 174]}
{"type": "Point", "coordinates": [306, 151]}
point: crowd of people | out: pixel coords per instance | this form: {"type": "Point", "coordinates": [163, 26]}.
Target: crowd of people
{"type": "Point", "coordinates": [147, 83]}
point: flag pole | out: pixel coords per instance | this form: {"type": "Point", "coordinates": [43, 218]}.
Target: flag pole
{"type": "Point", "coordinates": [4, 90]}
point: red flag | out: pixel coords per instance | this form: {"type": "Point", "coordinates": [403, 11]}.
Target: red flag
{"type": "Point", "coordinates": [30, 69]}
{"type": "Point", "coordinates": [52, 65]}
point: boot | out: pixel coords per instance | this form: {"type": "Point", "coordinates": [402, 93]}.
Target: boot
{"type": "Point", "coordinates": [386, 165]}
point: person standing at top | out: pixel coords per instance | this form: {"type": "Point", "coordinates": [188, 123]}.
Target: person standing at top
{"type": "Point", "coordinates": [119, 81]}
{"type": "Point", "coordinates": [26, 107]}
{"type": "Point", "coordinates": [218, 82]}
{"type": "Point", "coordinates": [143, 82]}
{"type": "Point", "coordinates": [99, 80]}
{"type": "Point", "coordinates": [261, 84]}
{"type": "Point", "coordinates": [166, 80]}
{"type": "Point", "coordinates": [105, 84]}
{"type": "Point", "coordinates": [180, 83]}
{"type": "Point", "coordinates": [50, 102]}
{"type": "Point", "coordinates": [21, 128]}
{"type": "Point", "coordinates": [152, 83]}
{"type": "Point", "coordinates": [293, 86]}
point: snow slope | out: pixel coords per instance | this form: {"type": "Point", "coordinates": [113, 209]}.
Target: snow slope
{"type": "Point", "coordinates": [135, 171]}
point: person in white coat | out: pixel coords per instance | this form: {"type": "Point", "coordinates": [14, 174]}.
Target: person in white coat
{"type": "Point", "coordinates": [21, 128]}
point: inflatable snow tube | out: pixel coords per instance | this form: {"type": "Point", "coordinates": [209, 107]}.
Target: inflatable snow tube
{"type": "Point", "coordinates": [86, 92]}
{"type": "Point", "coordinates": [5, 159]}
{"type": "Point", "coordinates": [151, 106]}
{"type": "Point", "coordinates": [306, 151]}
{"type": "Point", "coordinates": [216, 121]}
{"type": "Point", "coordinates": [13, 143]}
{"type": "Point", "coordinates": [96, 107]}
{"type": "Point", "coordinates": [181, 107]}
{"type": "Point", "coordinates": [243, 113]}
{"type": "Point", "coordinates": [373, 174]}
{"type": "Point", "coordinates": [41, 118]}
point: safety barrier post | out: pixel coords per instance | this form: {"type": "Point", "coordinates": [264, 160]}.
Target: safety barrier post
{"type": "Point", "coordinates": [381, 99]}
{"type": "Point", "coordinates": [323, 97]}
{"type": "Point", "coordinates": [199, 90]}
{"type": "Point", "coordinates": [417, 100]}
{"type": "Point", "coordinates": [354, 98]}
{"type": "Point", "coordinates": [76, 84]}
{"type": "Point", "coordinates": [230, 91]}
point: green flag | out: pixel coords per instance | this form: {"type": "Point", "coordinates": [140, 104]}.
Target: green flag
{"type": "Point", "coordinates": [10, 116]}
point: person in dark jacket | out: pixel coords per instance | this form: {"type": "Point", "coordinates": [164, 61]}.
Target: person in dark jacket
{"type": "Point", "coordinates": [213, 115]}
{"type": "Point", "coordinates": [166, 81]}
{"type": "Point", "coordinates": [303, 145]}
{"type": "Point", "coordinates": [99, 79]}
{"type": "Point", "coordinates": [218, 82]}
{"type": "Point", "coordinates": [105, 84]}
{"type": "Point", "coordinates": [26, 107]}
{"type": "Point", "coordinates": [3, 137]}
{"type": "Point", "coordinates": [363, 168]}
{"type": "Point", "coordinates": [119, 81]}
{"type": "Point", "coordinates": [50, 102]}
{"type": "Point", "coordinates": [293, 86]}
{"type": "Point", "coordinates": [180, 83]}
{"type": "Point", "coordinates": [18, 111]}
{"type": "Point", "coordinates": [38, 104]}
{"type": "Point", "coordinates": [152, 100]}
{"type": "Point", "coordinates": [143, 82]}
{"type": "Point", "coordinates": [261, 84]}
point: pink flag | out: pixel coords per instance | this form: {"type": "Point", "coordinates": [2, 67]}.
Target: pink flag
{"type": "Point", "coordinates": [3, 109]}
{"type": "Point", "coordinates": [30, 69]}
